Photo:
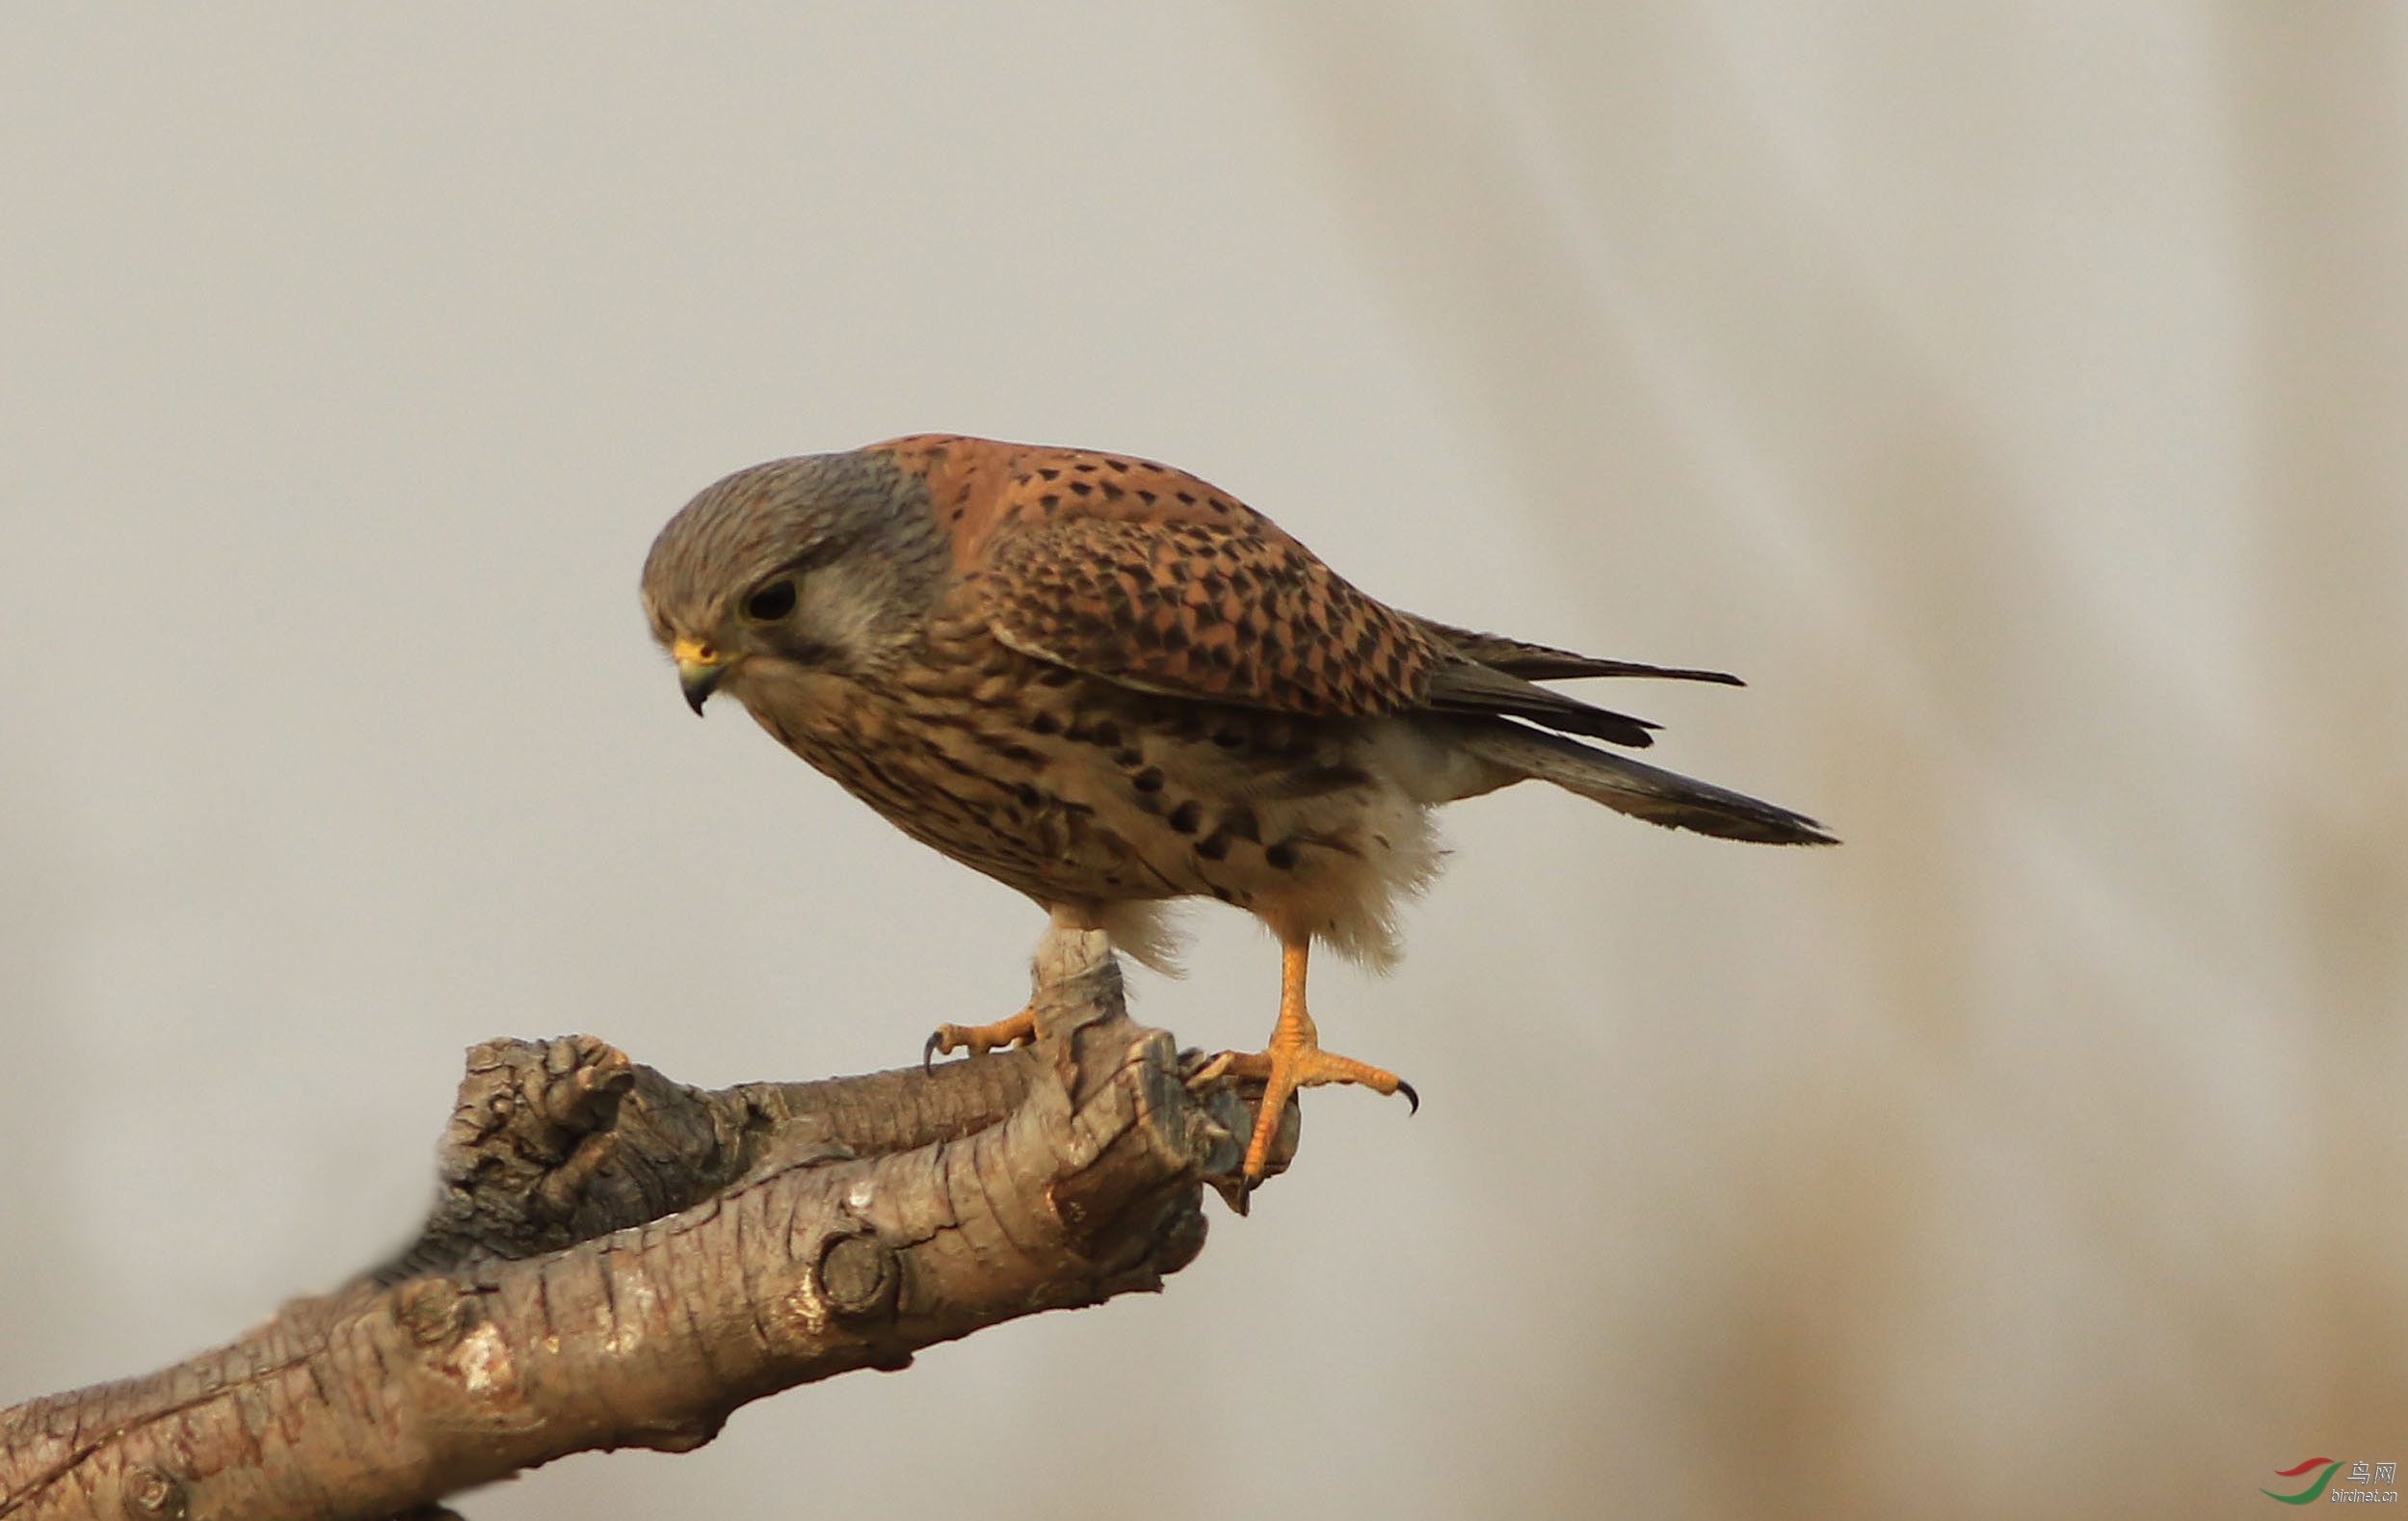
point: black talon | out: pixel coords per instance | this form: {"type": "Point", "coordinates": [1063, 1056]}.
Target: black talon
{"type": "Point", "coordinates": [1410, 1097]}
{"type": "Point", "coordinates": [928, 1053]}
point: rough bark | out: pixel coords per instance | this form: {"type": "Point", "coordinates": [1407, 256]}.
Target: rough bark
{"type": "Point", "coordinates": [617, 1260]}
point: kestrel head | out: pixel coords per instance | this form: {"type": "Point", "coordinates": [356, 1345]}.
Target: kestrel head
{"type": "Point", "coordinates": [826, 563]}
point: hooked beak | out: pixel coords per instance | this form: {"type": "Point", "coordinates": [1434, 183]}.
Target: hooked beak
{"type": "Point", "coordinates": [699, 670]}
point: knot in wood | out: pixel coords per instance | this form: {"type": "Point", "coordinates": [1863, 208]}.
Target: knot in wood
{"type": "Point", "coordinates": [588, 1079]}
{"type": "Point", "coordinates": [154, 1494]}
{"type": "Point", "coordinates": [858, 1278]}
{"type": "Point", "coordinates": [431, 1312]}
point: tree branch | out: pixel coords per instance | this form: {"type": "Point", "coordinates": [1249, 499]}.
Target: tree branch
{"type": "Point", "coordinates": [617, 1260]}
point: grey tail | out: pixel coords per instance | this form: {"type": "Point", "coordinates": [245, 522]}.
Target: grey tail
{"type": "Point", "coordinates": [1643, 791]}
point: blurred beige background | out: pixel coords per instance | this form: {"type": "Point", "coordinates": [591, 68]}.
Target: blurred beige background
{"type": "Point", "coordinates": [2018, 400]}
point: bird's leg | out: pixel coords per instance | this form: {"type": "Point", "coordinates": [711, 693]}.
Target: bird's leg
{"type": "Point", "coordinates": [981, 1039]}
{"type": "Point", "coordinates": [1294, 1059]}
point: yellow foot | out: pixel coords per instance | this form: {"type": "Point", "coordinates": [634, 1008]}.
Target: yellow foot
{"type": "Point", "coordinates": [1281, 1070]}
{"type": "Point", "coordinates": [1294, 1059]}
{"type": "Point", "coordinates": [979, 1039]}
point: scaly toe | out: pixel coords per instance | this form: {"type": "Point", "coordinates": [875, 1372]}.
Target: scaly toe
{"type": "Point", "coordinates": [1252, 1064]}
{"type": "Point", "coordinates": [1284, 1070]}
{"type": "Point", "coordinates": [979, 1039]}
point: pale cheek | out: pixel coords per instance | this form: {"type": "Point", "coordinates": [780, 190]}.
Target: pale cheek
{"type": "Point", "coordinates": [839, 619]}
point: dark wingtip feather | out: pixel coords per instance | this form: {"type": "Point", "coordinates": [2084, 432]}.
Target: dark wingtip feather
{"type": "Point", "coordinates": [1468, 687]}
{"type": "Point", "coordinates": [1541, 663]}
{"type": "Point", "coordinates": [1597, 724]}
{"type": "Point", "coordinates": [1719, 677]}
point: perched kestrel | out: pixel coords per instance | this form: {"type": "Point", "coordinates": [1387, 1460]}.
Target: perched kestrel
{"type": "Point", "coordinates": [1106, 684]}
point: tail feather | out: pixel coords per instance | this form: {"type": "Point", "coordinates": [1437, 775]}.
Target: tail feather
{"type": "Point", "coordinates": [1643, 791]}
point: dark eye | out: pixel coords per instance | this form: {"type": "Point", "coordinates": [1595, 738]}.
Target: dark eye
{"type": "Point", "coordinates": [771, 602]}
